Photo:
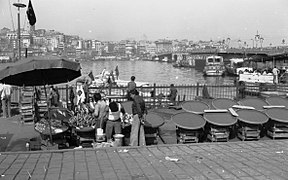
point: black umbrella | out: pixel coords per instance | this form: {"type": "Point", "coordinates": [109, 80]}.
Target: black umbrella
{"type": "Point", "coordinates": [37, 71]}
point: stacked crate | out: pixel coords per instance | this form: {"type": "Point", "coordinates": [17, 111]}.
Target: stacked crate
{"type": "Point", "coordinates": [187, 136]}
{"type": "Point", "coordinates": [27, 108]}
{"type": "Point", "coordinates": [278, 130]}
{"type": "Point", "coordinates": [249, 132]}
{"type": "Point", "coordinates": [218, 134]}
{"type": "Point", "coordinates": [42, 104]}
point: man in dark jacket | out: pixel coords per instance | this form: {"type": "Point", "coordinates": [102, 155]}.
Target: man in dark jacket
{"type": "Point", "coordinates": [137, 137]}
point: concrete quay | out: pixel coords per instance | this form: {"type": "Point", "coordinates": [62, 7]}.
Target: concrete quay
{"type": "Point", "coordinates": [243, 160]}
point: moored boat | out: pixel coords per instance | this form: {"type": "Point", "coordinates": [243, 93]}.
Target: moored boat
{"type": "Point", "coordinates": [214, 66]}
{"type": "Point", "coordinates": [237, 66]}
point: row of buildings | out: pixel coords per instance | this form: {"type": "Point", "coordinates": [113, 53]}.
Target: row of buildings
{"type": "Point", "coordinates": [37, 42]}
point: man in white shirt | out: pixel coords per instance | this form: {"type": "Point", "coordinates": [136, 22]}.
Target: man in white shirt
{"type": "Point", "coordinates": [6, 100]}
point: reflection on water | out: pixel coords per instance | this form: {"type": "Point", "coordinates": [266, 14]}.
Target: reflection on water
{"type": "Point", "coordinates": [153, 72]}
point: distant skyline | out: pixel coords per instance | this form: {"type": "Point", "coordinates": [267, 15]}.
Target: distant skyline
{"type": "Point", "coordinates": [158, 19]}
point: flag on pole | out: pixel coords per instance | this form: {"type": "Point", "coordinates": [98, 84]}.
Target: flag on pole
{"type": "Point", "coordinates": [31, 14]}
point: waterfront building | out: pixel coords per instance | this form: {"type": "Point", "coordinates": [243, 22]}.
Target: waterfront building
{"type": "Point", "coordinates": [163, 46]}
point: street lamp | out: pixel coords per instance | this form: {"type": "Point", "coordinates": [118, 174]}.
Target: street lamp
{"type": "Point", "coordinates": [19, 5]}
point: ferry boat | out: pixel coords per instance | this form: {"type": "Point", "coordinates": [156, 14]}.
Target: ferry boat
{"type": "Point", "coordinates": [214, 66]}
{"type": "Point", "coordinates": [237, 66]}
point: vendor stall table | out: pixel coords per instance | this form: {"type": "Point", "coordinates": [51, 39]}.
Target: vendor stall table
{"type": "Point", "coordinates": [278, 124]}
{"type": "Point", "coordinates": [277, 101]}
{"type": "Point", "coordinates": [58, 135]}
{"type": "Point", "coordinates": [223, 103]}
{"type": "Point", "coordinates": [250, 124]}
{"type": "Point", "coordinates": [189, 127]}
{"type": "Point", "coordinates": [152, 124]}
{"type": "Point", "coordinates": [86, 136]}
{"type": "Point", "coordinates": [196, 107]}
{"type": "Point", "coordinates": [257, 103]}
{"type": "Point", "coordinates": [220, 125]}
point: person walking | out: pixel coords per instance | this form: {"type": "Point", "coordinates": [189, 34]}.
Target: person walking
{"type": "Point", "coordinates": [131, 87]}
{"type": "Point", "coordinates": [275, 72]}
{"type": "Point", "coordinates": [114, 120]}
{"type": "Point", "coordinates": [139, 111]}
{"type": "Point", "coordinates": [6, 100]}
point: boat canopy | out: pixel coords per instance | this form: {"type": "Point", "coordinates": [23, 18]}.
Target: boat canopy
{"type": "Point", "coordinates": [236, 60]}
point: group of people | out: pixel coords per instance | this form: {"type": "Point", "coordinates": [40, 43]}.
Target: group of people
{"type": "Point", "coordinates": [108, 113]}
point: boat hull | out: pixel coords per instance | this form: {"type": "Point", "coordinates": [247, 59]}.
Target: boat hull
{"type": "Point", "coordinates": [214, 73]}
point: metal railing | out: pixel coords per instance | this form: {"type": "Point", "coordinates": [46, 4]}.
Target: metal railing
{"type": "Point", "coordinates": [157, 95]}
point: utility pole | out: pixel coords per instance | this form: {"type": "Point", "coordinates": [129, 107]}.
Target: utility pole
{"type": "Point", "coordinates": [19, 5]}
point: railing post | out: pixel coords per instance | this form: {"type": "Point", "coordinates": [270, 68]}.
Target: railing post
{"type": "Point", "coordinates": [154, 95]}
{"type": "Point", "coordinates": [197, 89]}
{"type": "Point", "coordinates": [110, 87]}
{"type": "Point", "coordinates": [237, 90]}
{"type": "Point", "coordinates": [67, 96]}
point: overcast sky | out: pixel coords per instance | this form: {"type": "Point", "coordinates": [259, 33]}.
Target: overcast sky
{"type": "Point", "coordinates": [158, 19]}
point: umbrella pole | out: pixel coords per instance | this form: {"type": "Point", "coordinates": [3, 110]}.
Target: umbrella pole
{"type": "Point", "coordinates": [48, 113]}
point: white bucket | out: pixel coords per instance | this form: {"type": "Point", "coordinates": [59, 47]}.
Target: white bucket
{"type": "Point", "coordinates": [118, 140]}
{"type": "Point", "coordinates": [99, 131]}
{"type": "Point", "coordinates": [100, 136]}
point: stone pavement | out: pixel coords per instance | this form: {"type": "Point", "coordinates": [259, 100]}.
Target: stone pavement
{"type": "Point", "coordinates": [244, 160]}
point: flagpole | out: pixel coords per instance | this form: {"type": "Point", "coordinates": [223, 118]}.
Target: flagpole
{"type": "Point", "coordinates": [19, 5]}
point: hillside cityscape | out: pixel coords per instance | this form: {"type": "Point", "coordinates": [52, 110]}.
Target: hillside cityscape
{"type": "Point", "coordinates": [39, 42]}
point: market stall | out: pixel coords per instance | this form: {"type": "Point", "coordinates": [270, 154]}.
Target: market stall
{"type": "Point", "coordinates": [42, 71]}
{"type": "Point", "coordinates": [278, 123]}
{"type": "Point", "coordinates": [250, 124]}
{"type": "Point", "coordinates": [83, 125]}
{"type": "Point", "coordinates": [152, 128]}
{"type": "Point", "coordinates": [220, 125]}
{"type": "Point", "coordinates": [189, 127]}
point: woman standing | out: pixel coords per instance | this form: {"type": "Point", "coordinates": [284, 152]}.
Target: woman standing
{"type": "Point", "coordinates": [114, 120]}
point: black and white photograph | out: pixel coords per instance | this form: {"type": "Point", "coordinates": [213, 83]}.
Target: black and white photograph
{"type": "Point", "coordinates": [144, 89]}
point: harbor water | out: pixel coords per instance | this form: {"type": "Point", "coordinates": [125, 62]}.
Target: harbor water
{"type": "Point", "coordinates": [153, 72]}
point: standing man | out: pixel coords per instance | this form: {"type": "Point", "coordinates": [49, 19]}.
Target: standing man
{"type": "Point", "coordinates": [6, 100]}
{"type": "Point", "coordinates": [173, 94]}
{"type": "Point", "coordinates": [117, 72]}
{"type": "Point", "coordinates": [131, 87]}
{"type": "Point", "coordinates": [275, 72]}
{"type": "Point", "coordinates": [139, 111]}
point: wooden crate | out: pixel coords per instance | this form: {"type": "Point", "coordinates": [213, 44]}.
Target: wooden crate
{"type": "Point", "coordinates": [278, 130]}
{"type": "Point", "coordinates": [249, 133]}
{"type": "Point", "coordinates": [187, 136]}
